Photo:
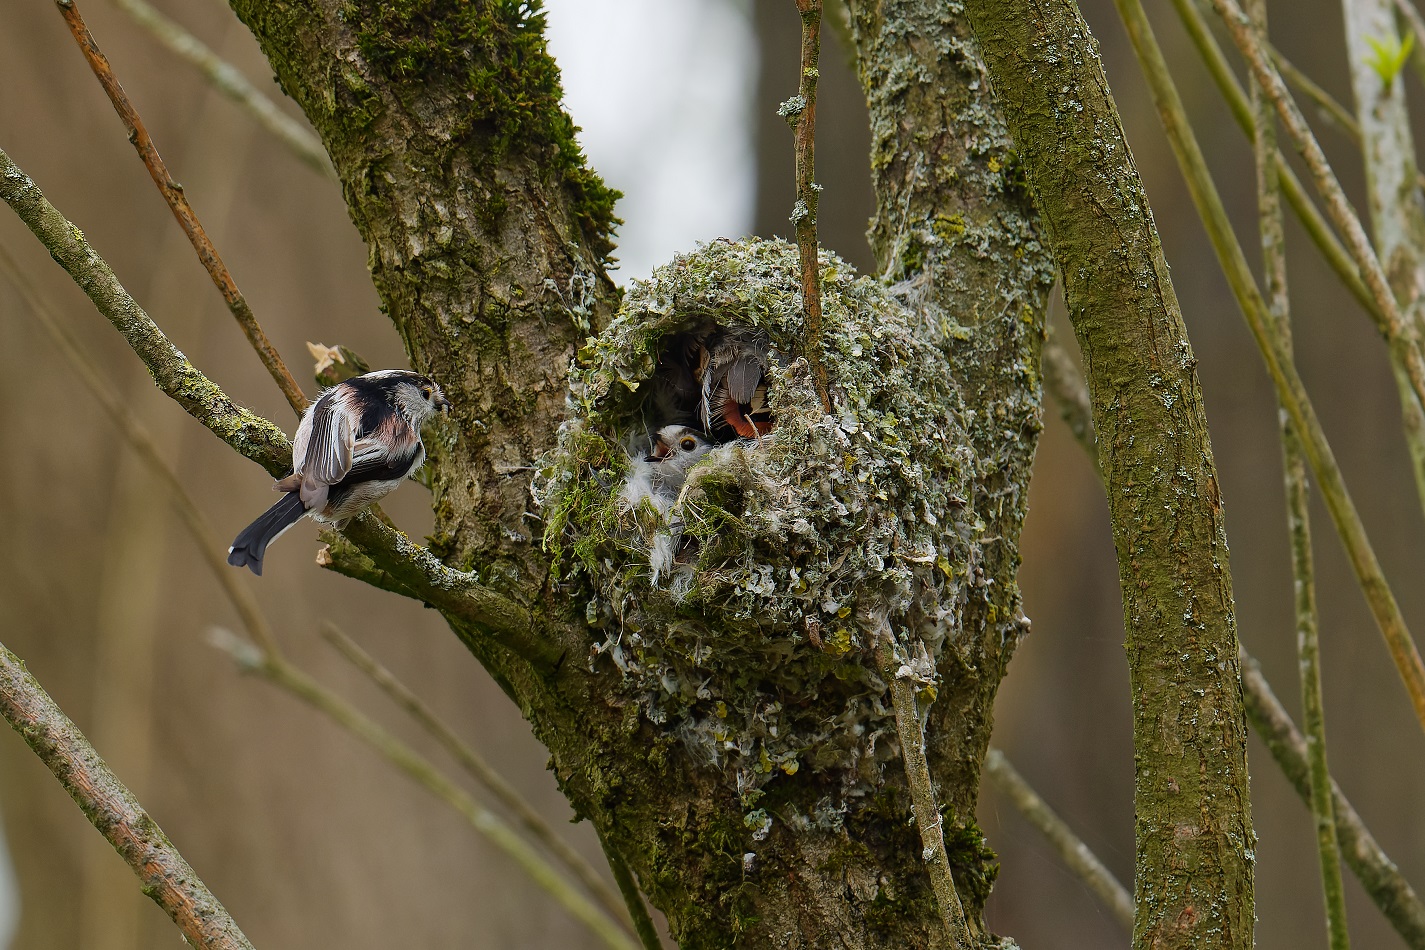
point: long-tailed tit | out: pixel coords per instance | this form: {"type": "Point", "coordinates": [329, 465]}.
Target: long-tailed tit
{"type": "Point", "coordinates": [354, 445]}
{"type": "Point", "coordinates": [733, 370]}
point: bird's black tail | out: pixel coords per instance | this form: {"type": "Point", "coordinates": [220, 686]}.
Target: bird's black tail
{"type": "Point", "coordinates": [252, 543]}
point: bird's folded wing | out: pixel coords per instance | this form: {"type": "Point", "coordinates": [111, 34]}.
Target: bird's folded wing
{"type": "Point", "coordinates": [328, 455]}
{"type": "Point", "coordinates": [375, 460]}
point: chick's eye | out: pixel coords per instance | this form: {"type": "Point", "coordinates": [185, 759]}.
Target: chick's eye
{"type": "Point", "coordinates": [426, 392]}
{"type": "Point", "coordinates": [688, 444]}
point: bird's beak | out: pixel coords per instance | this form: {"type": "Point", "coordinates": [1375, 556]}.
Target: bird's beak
{"type": "Point", "coordinates": [661, 452]}
{"type": "Point", "coordinates": [443, 404]}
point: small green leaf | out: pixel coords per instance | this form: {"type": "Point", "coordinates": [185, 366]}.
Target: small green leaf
{"type": "Point", "coordinates": [1390, 56]}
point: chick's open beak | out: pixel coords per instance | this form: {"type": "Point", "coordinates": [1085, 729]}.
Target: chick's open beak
{"type": "Point", "coordinates": [661, 452]}
{"type": "Point", "coordinates": [442, 404]}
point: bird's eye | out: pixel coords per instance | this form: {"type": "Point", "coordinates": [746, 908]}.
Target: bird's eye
{"type": "Point", "coordinates": [426, 392]}
{"type": "Point", "coordinates": [688, 444]}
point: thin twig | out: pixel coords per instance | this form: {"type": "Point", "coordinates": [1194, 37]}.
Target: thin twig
{"type": "Point", "coordinates": [1298, 509]}
{"type": "Point", "coordinates": [248, 433]}
{"type": "Point", "coordinates": [1377, 873]}
{"type": "Point", "coordinates": [229, 81]}
{"type": "Point", "coordinates": [1076, 855]}
{"type": "Point", "coordinates": [1066, 384]}
{"type": "Point", "coordinates": [922, 791]}
{"type": "Point", "coordinates": [801, 113]}
{"type": "Point", "coordinates": [411, 569]}
{"type": "Point", "coordinates": [476, 767]}
{"type": "Point", "coordinates": [264, 646]}
{"type": "Point", "coordinates": [209, 546]}
{"type": "Point", "coordinates": [111, 808]}
{"type": "Point", "coordinates": [1316, 227]}
{"type": "Point", "coordinates": [1417, 26]}
{"type": "Point", "coordinates": [1337, 113]}
{"type": "Point", "coordinates": [1290, 390]}
{"type": "Point", "coordinates": [1400, 334]}
{"type": "Point", "coordinates": [642, 922]}
{"type": "Point", "coordinates": [173, 194]}
{"type": "Point", "coordinates": [283, 674]}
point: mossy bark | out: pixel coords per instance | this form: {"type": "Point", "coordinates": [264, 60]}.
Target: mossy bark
{"type": "Point", "coordinates": [487, 237]}
{"type": "Point", "coordinates": [1193, 882]}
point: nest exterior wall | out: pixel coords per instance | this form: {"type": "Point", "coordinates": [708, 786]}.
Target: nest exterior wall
{"type": "Point", "coordinates": [759, 655]}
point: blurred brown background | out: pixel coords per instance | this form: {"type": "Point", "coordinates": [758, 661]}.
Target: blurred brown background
{"type": "Point", "coordinates": [308, 838]}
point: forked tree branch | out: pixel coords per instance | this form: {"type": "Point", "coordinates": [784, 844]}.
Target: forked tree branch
{"type": "Point", "coordinates": [419, 573]}
{"type": "Point", "coordinates": [111, 808]}
{"type": "Point", "coordinates": [178, 202]}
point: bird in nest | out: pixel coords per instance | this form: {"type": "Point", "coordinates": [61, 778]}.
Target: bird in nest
{"type": "Point", "coordinates": [717, 379]}
{"type": "Point", "coordinates": [658, 478]}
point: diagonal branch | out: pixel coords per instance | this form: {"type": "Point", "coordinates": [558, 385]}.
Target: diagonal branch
{"type": "Point", "coordinates": [1402, 337]}
{"type": "Point", "coordinates": [456, 594]}
{"type": "Point", "coordinates": [1375, 870]}
{"type": "Point", "coordinates": [178, 202]}
{"type": "Point", "coordinates": [1070, 847]}
{"type": "Point", "coordinates": [1291, 392]}
{"type": "Point", "coordinates": [111, 808]}
{"type": "Point", "coordinates": [226, 78]}
{"type": "Point", "coordinates": [477, 768]}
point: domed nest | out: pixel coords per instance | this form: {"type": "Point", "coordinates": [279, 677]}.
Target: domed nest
{"type": "Point", "coordinates": [740, 548]}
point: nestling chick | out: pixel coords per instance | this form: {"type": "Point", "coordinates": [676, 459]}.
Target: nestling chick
{"type": "Point", "coordinates": [354, 445]}
{"type": "Point", "coordinates": [659, 478]}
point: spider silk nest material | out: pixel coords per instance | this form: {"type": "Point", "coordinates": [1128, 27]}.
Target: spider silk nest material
{"type": "Point", "coordinates": [820, 532]}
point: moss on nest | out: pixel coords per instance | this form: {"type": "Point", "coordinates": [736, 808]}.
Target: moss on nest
{"type": "Point", "coordinates": [796, 547]}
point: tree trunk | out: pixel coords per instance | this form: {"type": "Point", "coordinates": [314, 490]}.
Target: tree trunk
{"type": "Point", "coordinates": [487, 239]}
{"type": "Point", "coordinates": [1193, 828]}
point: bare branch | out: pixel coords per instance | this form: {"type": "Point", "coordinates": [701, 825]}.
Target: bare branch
{"type": "Point", "coordinates": [1273, 237]}
{"type": "Point", "coordinates": [1377, 873]}
{"type": "Point", "coordinates": [1290, 390]}
{"type": "Point", "coordinates": [1066, 384]}
{"type": "Point", "coordinates": [1316, 227]}
{"type": "Point", "coordinates": [922, 790]}
{"type": "Point", "coordinates": [178, 202]}
{"type": "Point", "coordinates": [226, 78]}
{"type": "Point", "coordinates": [281, 673]}
{"type": "Point", "coordinates": [1402, 336]}
{"type": "Point", "coordinates": [1071, 849]}
{"type": "Point", "coordinates": [419, 573]}
{"type": "Point", "coordinates": [251, 435]}
{"type": "Point", "coordinates": [111, 808]}
{"type": "Point", "coordinates": [476, 767]}
{"type": "Point", "coordinates": [801, 113]}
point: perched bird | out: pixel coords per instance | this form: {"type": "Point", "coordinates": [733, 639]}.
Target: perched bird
{"type": "Point", "coordinates": [732, 371]}
{"type": "Point", "coordinates": [355, 444]}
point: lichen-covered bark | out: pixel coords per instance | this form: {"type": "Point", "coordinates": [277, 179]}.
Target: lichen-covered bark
{"type": "Point", "coordinates": [1193, 882]}
{"type": "Point", "coordinates": [957, 231]}
{"type": "Point", "coordinates": [487, 235]}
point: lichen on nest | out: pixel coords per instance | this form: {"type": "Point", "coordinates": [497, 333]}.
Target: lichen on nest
{"type": "Point", "coordinates": [796, 547]}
